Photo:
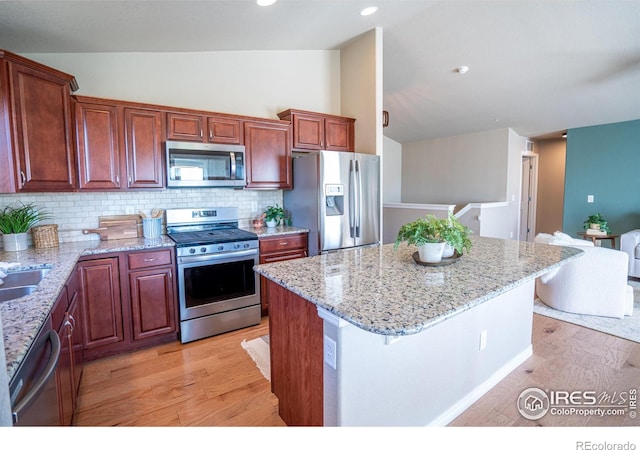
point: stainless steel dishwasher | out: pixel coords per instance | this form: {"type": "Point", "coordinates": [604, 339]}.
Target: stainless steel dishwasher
{"type": "Point", "coordinates": [33, 391]}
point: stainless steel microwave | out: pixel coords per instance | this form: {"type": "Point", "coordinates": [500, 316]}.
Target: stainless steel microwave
{"type": "Point", "coordinates": [196, 164]}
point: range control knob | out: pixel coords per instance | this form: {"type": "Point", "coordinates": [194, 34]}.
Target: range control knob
{"type": "Point", "coordinates": [192, 250]}
{"type": "Point", "coordinates": [246, 245]}
{"type": "Point", "coordinates": [220, 247]}
{"type": "Point", "coordinates": [203, 249]}
{"type": "Point", "coordinates": [236, 246]}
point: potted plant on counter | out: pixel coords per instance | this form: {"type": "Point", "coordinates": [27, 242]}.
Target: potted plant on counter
{"type": "Point", "coordinates": [273, 215]}
{"type": "Point", "coordinates": [456, 236]}
{"type": "Point", "coordinates": [15, 223]}
{"type": "Point", "coordinates": [425, 234]}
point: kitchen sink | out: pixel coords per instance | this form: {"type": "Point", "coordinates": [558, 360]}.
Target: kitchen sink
{"type": "Point", "coordinates": [23, 278]}
{"type": "Point", "coordinates": [20, 283]}
{"type": "Point", "coordinates": [15, 292]}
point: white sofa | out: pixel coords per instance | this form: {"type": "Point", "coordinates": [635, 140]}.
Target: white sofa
{"type": "Point", "coordinates": [630, 244]}
{"type": "Point", "coordinates": [593, 284]}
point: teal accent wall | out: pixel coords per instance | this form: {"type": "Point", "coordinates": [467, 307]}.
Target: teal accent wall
{"type": "Point", "coordinates": [603, 161]}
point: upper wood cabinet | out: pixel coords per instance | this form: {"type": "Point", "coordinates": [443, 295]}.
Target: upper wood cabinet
{"type": "Point", "coordinates": [202, 128]}
{"type": "Point", "coordinates": [315, 131]}
{"type": "Point", "coordinates": [268, 155]}
{"type": "Point", "coordinates": [119, 145]}
{"type": "Point", "coordinates": [36, 143]}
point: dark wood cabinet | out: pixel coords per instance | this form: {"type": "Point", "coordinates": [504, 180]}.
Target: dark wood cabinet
{"type": "Point", "coordinates": [268, 155]}
{"type": "Point", "coordinates": [203, 128]}
{"type": "Point", "coordinates": [279, 248]}
{"type": "Point", "coordinates": [315, 131]}
{"type": "Point", "coordinates": [118, 145]}
{"type": "Point", "coordinates": [36, 142]}
{"type": "Point", "coordinates": [152, 291]}
{"type": "Point", "coordinates": [66, 319]}
{"type": "Point", "coordinates": [130, 301]}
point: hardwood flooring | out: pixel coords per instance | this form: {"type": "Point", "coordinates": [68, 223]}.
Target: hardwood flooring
{"type": "Point", "coordinates": [213, 382]}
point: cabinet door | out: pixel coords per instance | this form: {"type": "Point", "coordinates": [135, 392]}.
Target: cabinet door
{"type": "Point", "coordinates": [42, 129]}
{"type": "Point", "coordinates": [64, 369]}
{"type": "Point", "coordinates": [143, 141]}
{"type": "Point", "coordinates": [77, 337]}
{"type": "Point", "coordinates": [185, 127]}
{"type": "Point", "coordinates": [339, 134]}
{"type": "Point", "coordinates": [153, 302]}
{"type": "Point", "coordinates": [268, 155]}
{"type": "Point", "coordinates": [102, 306]}
{"type": "Point", "coordinates": [97, 146]}
{"type": "Point", "coordinates": [224, 131]}
{"type": "Point", "coordinates": [308, 132]}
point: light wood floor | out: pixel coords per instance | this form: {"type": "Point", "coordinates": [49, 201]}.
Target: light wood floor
{"type": "Point", "coordinates": [213, 382]}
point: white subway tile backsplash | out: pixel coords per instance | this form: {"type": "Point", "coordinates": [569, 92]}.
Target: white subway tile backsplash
{"type": "Point", "coordinates": [74, 212]}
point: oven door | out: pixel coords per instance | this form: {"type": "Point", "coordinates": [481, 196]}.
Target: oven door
{"type": "Point", "coordinates": [217, 283]}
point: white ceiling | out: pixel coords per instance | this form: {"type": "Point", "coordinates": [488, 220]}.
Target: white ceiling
{"type": "Point", "coordinates": [536, 66]}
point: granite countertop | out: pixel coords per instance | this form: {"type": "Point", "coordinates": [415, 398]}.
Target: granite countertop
{"type": "Point", "coordinates": [281, 230]}
{"type": "Point", "coordinates": [23, 317]}
{"type": "Point", "coordinates": [384, 291]}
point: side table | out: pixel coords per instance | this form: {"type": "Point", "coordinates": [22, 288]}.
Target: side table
{"type": "Point", "coordinates": [595, 239]}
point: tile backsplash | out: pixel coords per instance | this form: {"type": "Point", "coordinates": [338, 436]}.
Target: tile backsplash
{"type": "Point", "coordinates": [77, 211]}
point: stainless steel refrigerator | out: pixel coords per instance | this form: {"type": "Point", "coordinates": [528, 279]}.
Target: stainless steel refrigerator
{"type": "Point", "coordinates": [336, 195]}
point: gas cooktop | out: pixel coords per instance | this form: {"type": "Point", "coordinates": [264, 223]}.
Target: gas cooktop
{"type": "Point", "coordinates": [217, 236]}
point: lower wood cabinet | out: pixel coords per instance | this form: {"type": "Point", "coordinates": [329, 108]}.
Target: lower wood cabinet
{"type": "Point", "coordinates": [279, 248]}
{"type": "Point", "coordinates": [129, 301]}
{"type": "Point", "coordinates": [67, 320]}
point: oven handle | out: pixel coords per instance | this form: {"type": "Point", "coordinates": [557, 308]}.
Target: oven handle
{"type": "Point", "coordinates": [217, 257]}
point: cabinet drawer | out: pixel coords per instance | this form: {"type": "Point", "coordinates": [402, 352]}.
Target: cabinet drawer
{"type": "Point", "coordinates": [149, 259]}
{"type": "Point", "coordinates": [283, 243]}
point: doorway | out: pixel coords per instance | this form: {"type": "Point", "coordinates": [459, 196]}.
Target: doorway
{"type": "Point", "coordinates": [528, 194]}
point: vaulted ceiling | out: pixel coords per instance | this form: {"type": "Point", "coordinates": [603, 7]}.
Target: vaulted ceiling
{"type": "Point", "coordinates": [538, 67]}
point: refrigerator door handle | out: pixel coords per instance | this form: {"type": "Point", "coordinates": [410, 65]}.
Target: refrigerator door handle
{"type": "Point", "coordinates": [358, 204]}
{"type": "Point", "coordinates": [352, 198]}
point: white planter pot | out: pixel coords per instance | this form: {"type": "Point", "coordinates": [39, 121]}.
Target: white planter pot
{"type": "Point", "coordinates": [448, 251]}
{"type": "Point", "coordinates": [431, 253]}
{"type": "Point", "coordinates": [14, 242]}
{"type": "Point", "coordinates": [272, 223]}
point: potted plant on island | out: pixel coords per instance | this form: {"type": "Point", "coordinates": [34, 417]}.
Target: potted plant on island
{"type": "Point", "coordinates": [424, 233]}
{"type": "Point", "coordinates": [15, 223]}
{"type": "Point", "coordinates": [596, 222]}
{"type": "Point", "coordinates": [456, 236]}
{"type": "Point", "coordinates": [273, 215]}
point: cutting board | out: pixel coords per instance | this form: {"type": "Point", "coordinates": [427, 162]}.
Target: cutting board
{"type": "Point", "coordinates": [126, 226]}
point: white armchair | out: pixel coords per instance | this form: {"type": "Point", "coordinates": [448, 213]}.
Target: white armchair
{"type": "Point", "coordinates": [593, 284]}
{"type": "Point", "coordinates": [630, 244]}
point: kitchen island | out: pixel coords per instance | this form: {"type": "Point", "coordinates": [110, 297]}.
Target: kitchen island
{"type": "Point", "coordinates": [367, 337]}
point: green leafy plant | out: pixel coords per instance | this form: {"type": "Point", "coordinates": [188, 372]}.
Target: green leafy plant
{"type": "Point", "coordinates": [455, 234]}
{"type": "Point", "coordinates": [274, 213]}
{"type": "Point", "coordinates": [19, 219]}
{"type": "Point", "coordinates": [423, 230]}
{"type": "Point", "coordinates": [597, 219]}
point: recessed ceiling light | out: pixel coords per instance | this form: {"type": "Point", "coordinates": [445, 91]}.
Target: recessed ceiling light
{"type": "Point", "coordinates": [462, 69]}
{"type": "Point", "coordinates": [265, 2]}
{"type": "Point", "coordinates": [368, 11]}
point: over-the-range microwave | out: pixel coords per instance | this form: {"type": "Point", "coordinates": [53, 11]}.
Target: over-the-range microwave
{"type": "Point", "coordinates": [197, 164]}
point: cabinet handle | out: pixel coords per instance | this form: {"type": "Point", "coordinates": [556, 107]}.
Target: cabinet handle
{"type": "Point", "coordinates": [201, 133]}
{"type": "Point", "coordinates": [129, 181]}
{"type": "Point", "coordinates": [23, 178]}
{"type": "Point", "coordinates": [73, 321]}
{"type": "Point", "coordinates": [117, 179]}
{"type": "Point", "coordinates": [149, 259]}
{"type": "Point", "coordinates": [170, 275]}
{"type": "Point", "coordinates": [284, 243]}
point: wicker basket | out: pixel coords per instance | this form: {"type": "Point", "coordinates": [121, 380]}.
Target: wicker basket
{"type": "Point", "coordinates": [45, 236]}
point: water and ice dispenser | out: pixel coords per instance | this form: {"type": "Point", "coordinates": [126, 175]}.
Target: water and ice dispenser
{"type": "Point", "coordinates": [334, 195]}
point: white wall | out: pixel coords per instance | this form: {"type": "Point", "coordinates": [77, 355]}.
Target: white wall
{"type": "Point", "coordinates": [392, 171]}
{"type": "Point", "coordinates": [252, 83]}
{"type": "Point", "coordinates": [456, 170]}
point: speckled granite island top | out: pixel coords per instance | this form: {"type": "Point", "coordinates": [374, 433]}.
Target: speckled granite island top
{"type": "Point", "coordinates": [23, 317]}
{"type": "Point", "coordinates": [384, 291]}
{"type": "Point", "coordinates": [264, 232]}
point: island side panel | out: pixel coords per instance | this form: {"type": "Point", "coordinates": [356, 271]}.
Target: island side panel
{"type": "Point", "coordinates": [427, 378]}
{"type": "Point", "coordinates": [296, 343]}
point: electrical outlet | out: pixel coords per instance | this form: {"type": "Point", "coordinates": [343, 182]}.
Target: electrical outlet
{"type": "Point", "coordinates": [483, 339]}
{"type": "Point", "coordinates": [330, 351]}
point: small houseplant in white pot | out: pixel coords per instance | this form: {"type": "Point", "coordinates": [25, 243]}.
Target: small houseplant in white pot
{"type": "Point", "coordinates": [425, 234]}
{"type": "Point", "coordinates": [273, 215]}
{"type": "Point", "coordinates": [456, 236]}
{"type": "Point", "coordinates": [15, 223]}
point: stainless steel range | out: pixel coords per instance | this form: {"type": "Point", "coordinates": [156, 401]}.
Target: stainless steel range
{"type": "Point", "coordinates": [218, 291]}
